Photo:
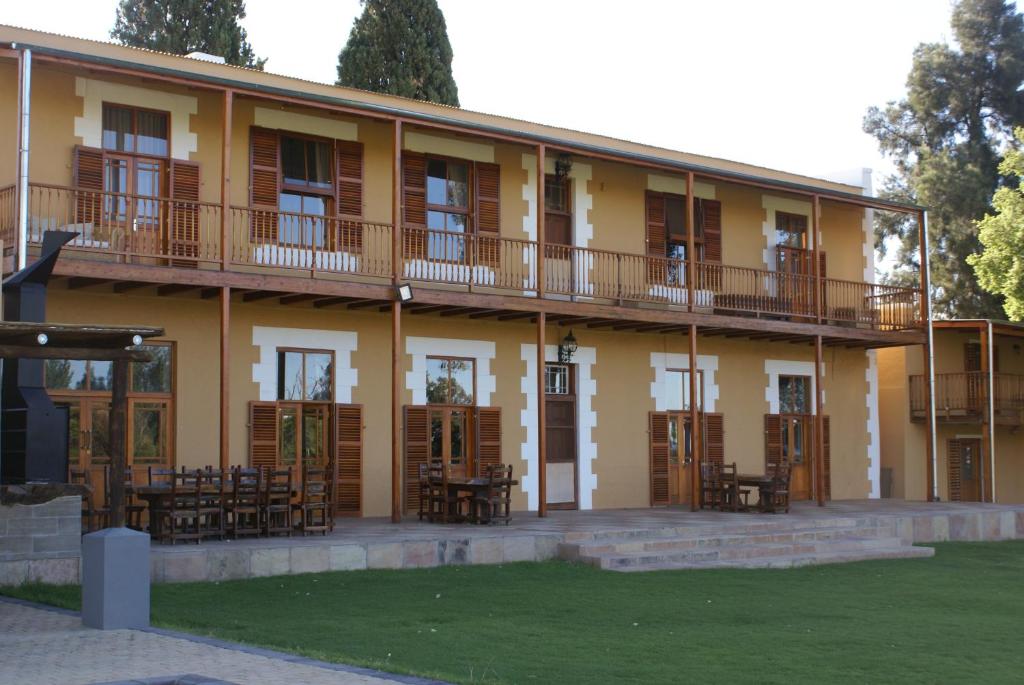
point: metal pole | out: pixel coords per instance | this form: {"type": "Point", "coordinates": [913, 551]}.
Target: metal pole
{"type": "Point", "coordinates": [396, 325]}
{"type": "Point", "coordinates": [929, 355]}
{"type": "Point", "coordinates": [24, 118]}
{"type": "Point", "coordinates": [542, 423]}
{"type": "Point", "coordinates": [695, 425]}
{"type": "Point", "coordinates": [991, 413]}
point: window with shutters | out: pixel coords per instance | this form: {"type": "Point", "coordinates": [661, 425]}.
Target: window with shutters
{"type": "Point", "coordinates": [448, 208]}
{"type": "Point", "coordinates": [305, 375]}
{"type": "Point", "coordinates": [794, 394]}
{"type": "Point", "coordinates": [450, 394]}
{"type": "Point", "coordinates": [305, 389]}
{"type": "Point", "coordinates": [307, 191]}
{"type": "Point", "coordinates": [791, 243]}
{"type": "Point", "coordinates": [136, 148]}
{"type": "Point", "coordinates": [557, 210]}
{"type": "Point", "coordinates": [677, 390]}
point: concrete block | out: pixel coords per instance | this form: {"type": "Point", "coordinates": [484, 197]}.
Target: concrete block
{"type": "Point", "coordinates": [546, 547]}
{"type": "Point", "coordinates": [384, 555]}
{"type": "Point", "coordinates": [156, 568]}
{"type": "Point", "coordinates": [184, 567]}
{"type": "Point", "coordinates": [348, 558]}
{"type": "Point", "coordinates": [227, 564]}
{"type": "Point", "coordinates": [486, 551]}
{"type": "Point", "coordinates": [309, 559]}
{"type": "Point", "coordinates": [455, 552]}
{"type": "Point", "coordinates": [519, 548]}
{"type": "Point", "coordinates": [69, 525]}
{"type": "Point", "coordinates": [964, 527]}
{"type": "Point", "coordinates": [54, 571]}
{"type": "Point", "coordinates": [115, 579]}
{"type": "Point", "coordinates": [40, 525]}
{"type": "Point", "coordinates": [272, 561]}
{"type": "Point", "coordinates": [62, 506]}
{"type": "Point", "coordinates": [421, 554]}
{"type": "Point", "coordinates": [63, 544]}
{"type": "Point", "coordinates": [14, 572]}
{"type": "Point", "coordinates": [991, 525]}
{"type": "Point", "coordinates": [940, 526]}
{"type": "Point", "coordinates": [924, 529]}
{"type": "Point", "coordinates": [15, 546]}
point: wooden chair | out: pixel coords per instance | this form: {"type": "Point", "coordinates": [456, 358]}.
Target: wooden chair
{"type": "Point", "coordinates": [777, 496]}
{"type": "Point", "coordinates": [212, 493]}
{"type": "Point", "coordinates": [277, 502]}
{"type": "Point", "coordinates": [710, 485]}
{"type": "Point", "coordinates": [496, 504]}
{"type": "Point", "coordinates": [160, 478]}
{"type": "Point", "coordinates": [424, 492]}
{"type": "Point", "coordinates": [313, 505]}
{"type": "Point", "coordinates": [93, 517]}
{"type": "Point", "coordinates": [182, 515]}
{"type": "Point", "coordinates": [444, 504]}
{"type": "Point", "coordinates": [133, 510]}
{"type": "Point", "coordinates": [732, 496]}
{"type": "Point", "coordinates": [243, 512]}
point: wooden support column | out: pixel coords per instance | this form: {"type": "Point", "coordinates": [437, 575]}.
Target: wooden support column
{"type": "Point", "coordinates": [396, 326]}
{"type": "Point", "coordinates": [225, 175]}
{"type": "Point", "coordinates": [118, 440]}
{"type": "Point", "coordinates": [929, 359]}
{"type": "Point", "coordinates": [225, 377]}
{"type": "Point", "coordinates": [542, 253]}
{"type": "Point", "coordinates": [819, 424]}
{"type": "Point", "coordinates": [991, 407]}
{"type": "Point", "coordinates": [542, 422]}
{"type": "Point", "coordinates": [695, 424]}
{"type": "Point", "coordinates": [691, 246]}
{"type": "Point", "coordinates": [816, 256]}
{"type": "Point", "coordinates": [986, 418]}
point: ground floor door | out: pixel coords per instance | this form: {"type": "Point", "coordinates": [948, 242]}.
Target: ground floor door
{"type": "Point", "coordinates": [796, 448]}
{"type": "Point", "coordinates": [560, 409]}
{"type": "Point", "coordinates": [966, 470]}
{"type": "Point", "coordinates": [450, 441]}
{"type": "Point", "coordinates": [680, 458]}
{"type": "Point", "coordinates": [304, 433]}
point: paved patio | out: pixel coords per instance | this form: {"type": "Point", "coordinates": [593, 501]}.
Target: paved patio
{"type": "Point", "coordinates": [50, 647]}
{"type": "Point", "coordinates": [377, 543]}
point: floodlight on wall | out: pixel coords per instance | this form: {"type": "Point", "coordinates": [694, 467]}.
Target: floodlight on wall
{"type": "Point", "coordinates": [567, 348]}
{"type": "Point", "coordinates": [42, 339]}
{"type": "Point", "coordinates": [404, 292]}
{"type": "Point", "coordinates": [136, 339]}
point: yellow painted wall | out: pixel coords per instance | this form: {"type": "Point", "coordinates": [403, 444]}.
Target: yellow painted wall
{"type": "Point", "coordinates": [9, 117]}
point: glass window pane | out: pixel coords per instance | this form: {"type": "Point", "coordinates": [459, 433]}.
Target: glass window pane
{"type": "Point", "coordinates": [556, 380]}
{"type": "Point", "coordinates": [149, 433]}
{"type": "Point", "coordinates": [117, 129]}
{"type": "Point", "coordinates": [293, 160]}
{"type": "Point", "coordinates": [436, 436]}
{"type": "Point", "coordinates": [289, 375]}
{"type": "Point", "coordinates": [437, 182]}
{"type": "Point", "coordinates": [154, 375]}
{"type": "Point", "coordinates": [456, 223]}
{"type": "Point", "coordinates": [74, 433]}
{"type": "Point", "coordinates": [318, 164]}
{"type": "Point", "coordinates": [675, 218]}
{"type": "Point", "coordinates": [687, 443]}
{"type": "Point", "coordinates": [100, 433]}
{"type": "Point", "coordinates": [287, 429]}
{"type": "Point", "coordinates": [674, 384]}
{"type": "Point", "coordinates": [313, 435]}
{"type": "Point", "coordinates": [152, 133]}
{"type": "Point", "coordinates": [65, 374]}
{"type": "Point", "coordinates": [318, 377]}
{"type": "Point", "coordinates": [458, 437]}
{"type": "Point", "coordinates": [458, 185]}
{"type": "Point", "coordinates": [315, 205]}
{"type": "Point", "coordinates": [115, 180]}
{"type": "Point", "coordinates": [673, 441]}
{"type": "Point", "coordinates": [101, 375]}
{"type": "Point", "coordinates": [437, 381]}
{"type": "Point", "coordinates": [435, 220]}
{"type": "Point", "coordinates": [461, 374]}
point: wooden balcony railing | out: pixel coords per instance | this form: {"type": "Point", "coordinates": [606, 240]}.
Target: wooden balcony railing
{"type": "Point", "coordinates": [134, 228]}
{"type": "Point", "coordinates": [127, 226]}
{"type": "Point", "coordinates": [8, 220]}
{"type": "Point", "coordinates": [309, 243]}
{"type": "Point", "coordinates": [963, 395]}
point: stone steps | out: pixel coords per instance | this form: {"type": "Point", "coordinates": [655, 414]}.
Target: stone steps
{"type": "Point", "coordinates": [792, 560]}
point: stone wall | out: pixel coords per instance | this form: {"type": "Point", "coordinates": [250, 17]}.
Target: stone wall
{"type": "Point", "coordinates": [41, 542]}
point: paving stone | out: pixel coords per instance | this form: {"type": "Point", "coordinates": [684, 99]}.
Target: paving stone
{"type": "Point", "coordinates": [421, 554]}
{"type": "Point", "coordinates": [348, 558]}
{"type": "Point", "coordinates": [227, 564]}
{"type": "Point", "coordinates": [309, 559]}
{"type": "Point", "coordinates": [519, 548]}
{"type": "Point", "coordinates": [13, 572]}
{"type": "Point", "coordinates": [486, 551]}
{"type": "Point", "coordinates": [269, 561]}
{"type": "Point", "coordinates": [991, 525]}
{"type": "Point", "coordinates": [546, 547]}
{"type": "Point", "coordinates": [455, 552]}
{"type": "Point", "coordinates": [384, 555]}
{"type": "Point", "coordinates": [964, 527]}
{"type": "Point", "coordinates": [183, 567]}
{"type": "Point", "coordinates": [1020, 524]}
{"type": "Point", "coordinates": [940, 525]}
{"type": "Point", "coordinates": [924, 529]}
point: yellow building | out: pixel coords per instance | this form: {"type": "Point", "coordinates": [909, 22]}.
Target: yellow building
{"type": "Point", "coordinates": [979, 446]}
{"type": "Point", "coordinates": [265, 223]}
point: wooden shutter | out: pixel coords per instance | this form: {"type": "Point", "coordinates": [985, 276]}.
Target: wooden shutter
{"type": "Point", "coordinates": [658, 432]}
{"type": "Point", "coordinates": [414, 205]}
{"type": "Point", "coordinates": [349, 190]}
{"type": "Point", "coordinates": [826, 457]}
{"type": "Point", "coordinates": [953, 465]}
{"type": "Point", "coordinates": [488, 437]}
{"type": "Point", "coordinates": [714, 438]}
{"type": "Point", "coordinates": [488, 213]}
{"type": "Point", "coordinates": [184, 192]}
{"type": "Point", "coordinates": [417, 451]}
{"type": "Point", "coordinates": [348, 446]}
{"type": "Point", "coordinates": [264, 184]}
{"type": "Point", "coordinates": [657, 237]}
{"type": "Point", "coordinates": [88, 178]}
{"type": "Point", "coordinates": [711, 226]}
{"type": "Point", "coordinates": [263, 444]}
{"type": "Point", "coordinates": [772, 441]}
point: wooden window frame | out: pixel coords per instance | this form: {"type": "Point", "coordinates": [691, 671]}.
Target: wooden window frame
{"type": "Point", "coordinates": [472, 362]}
{"type": "Point", "coordinates": [566, 213]}
{"type": "Point", "coordinates": [135, 118]}
{"type": "Point", "coordinates": [686, 388]}
{"type": "Point", "coordinates": [808, 387]}
{"type": "Point", "coordinates": [789, 218]}
{"type": "Point", "coordinates": [304, 351]}
{"type": "Point", "coordinates": [299, 189]}
{"type": "Point", "coordinates": [469, 212]}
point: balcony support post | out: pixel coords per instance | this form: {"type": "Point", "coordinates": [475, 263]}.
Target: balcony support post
{"type": "Point", "coordinates": [542, 421]}
{"type": "Point", "coordinates": [690, 266]}
{"type": "Point", "coordinates": [396, 326]}
{"type": "Point", "coordinates": [225, 186]}
{"type": "Point", "coordinates": [225, 377]}
{"type": "Point", "coordinates": [819, 425]}
{"type": "Point", "coordinates": [816, 256]}
{"type": "Point", "coordinates": [696, 458]}
{"type": "Point", "coordinates": [542, 253]}
{"type": "Point", "coordinates": [989, 434]}
{"type": "Point", "coordinates": [929, 357]}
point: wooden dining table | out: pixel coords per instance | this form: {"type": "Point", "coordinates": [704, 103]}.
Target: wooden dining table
{"type": "Point", "coordinates": [477, 486]}
{"type": "Point", "coordinates": [763, 483]}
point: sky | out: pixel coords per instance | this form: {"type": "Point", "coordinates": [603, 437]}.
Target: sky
{"type": "Point", "coordinates": [781, 84]}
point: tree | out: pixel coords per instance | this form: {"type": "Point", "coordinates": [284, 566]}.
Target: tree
{"type": "Point", "coordinates": [400, 47]}
{"type": "Point", "coordinates": [945, 139]}
{"type": "Point", "coordinates": [184, 26]}
{"type": "Point", "coordinates": [1000, 266]}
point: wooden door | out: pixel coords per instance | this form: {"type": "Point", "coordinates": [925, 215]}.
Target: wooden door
{"type": "Point", "coordinates": [560, 406]}
{"type": "Point", "coordinates": [680, 458]}
{"type": "Point", "coordinates": [796, 448]}
{"type": "Point", "coordinates": [966, 470]}
{"type": "Point", "coordinates": [303, 435]}
{"type": "Point", "coordinates": [450, 439]}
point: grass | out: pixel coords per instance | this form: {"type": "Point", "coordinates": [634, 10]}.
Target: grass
{"type": "Point", "coordinates": [956, 617]}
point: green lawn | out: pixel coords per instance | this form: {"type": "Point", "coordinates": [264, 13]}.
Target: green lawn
{"type": "Point", "coordinates": [957, 617]}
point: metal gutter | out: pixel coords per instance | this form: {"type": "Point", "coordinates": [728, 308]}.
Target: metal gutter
{"type": "Point", "coordinates": [24, 119]}
{"type": "Point", "coordinates": [412, 115]}
{"type": "Point", "coordinates": [927, 294]}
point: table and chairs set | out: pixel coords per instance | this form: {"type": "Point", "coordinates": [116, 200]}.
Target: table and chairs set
{"type": "Point", "coordinates": [197, 504]}
{"type": "Point", "coordinates": [485, 499]}
{"type": "Point", "coordinates": [724, 488]}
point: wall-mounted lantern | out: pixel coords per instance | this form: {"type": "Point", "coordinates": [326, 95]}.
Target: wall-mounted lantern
{"type": "Point", "coordinates": [567, 348]}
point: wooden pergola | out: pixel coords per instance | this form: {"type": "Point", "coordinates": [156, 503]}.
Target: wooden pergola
{"type": "Point", "coordinates": [117, 344]}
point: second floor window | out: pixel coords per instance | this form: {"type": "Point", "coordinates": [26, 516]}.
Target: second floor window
{"type": "Point", "coordinates": [135, 163]}
{"type": "Point", "coordinates": [448, 195]}
{"type": "Point", "coordinates": [306, 190]}
{"type": "Point", "coordinates": [305, 375]}
{"type": "Point", "coordinates": [557, 210]}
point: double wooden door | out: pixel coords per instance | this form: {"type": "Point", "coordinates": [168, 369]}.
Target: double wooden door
{"type": "Point", "coordinates": [796, 448]}
{"type": "Point", "coordinates": [562, 481]}
{"type": "Point", "coordinates": [966, 469]}
{"type": "Point", "coordinates": [671, 461]}
{"type": "Point", "coordinates": [680, 458]}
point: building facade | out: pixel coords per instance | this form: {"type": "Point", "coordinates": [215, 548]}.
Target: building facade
{"type": "Point", "coordinates": [266, 223]}
{"type": "Point", "coordinates": [979, 410]}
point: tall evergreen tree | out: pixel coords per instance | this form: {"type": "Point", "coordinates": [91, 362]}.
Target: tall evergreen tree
{"type": "Point", "coordinates": [946, 138]}
{"type": "Point", "coordinates": [400, 47]}
{"type": "Point", "coordinates": [183, 26]}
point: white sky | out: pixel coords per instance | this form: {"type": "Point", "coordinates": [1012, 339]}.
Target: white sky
{"type": "Point", "coordinates": [782, 84]}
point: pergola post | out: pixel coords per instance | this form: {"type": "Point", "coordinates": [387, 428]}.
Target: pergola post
{"type": "Point", "coordinates": [929, 357]}
{"type": "Point", "coordinates": [819, 425]}
{"type": "Point", "coordinates": [816, 257]}
{"type": "Point", "coordinates": [118, 420]}
{"type": "Point", "coordinates": [690, 266]}
{"type": "Point", "coordinates": [225, 377]}
{"type": "Point", "coordinates": [542, 422]}
{"type": "Point", "coordinates": [695, 425]}
{"type": "Point", "coordinates": [225, 184]}
{"type": "Point", "coordinates": [396, 325]}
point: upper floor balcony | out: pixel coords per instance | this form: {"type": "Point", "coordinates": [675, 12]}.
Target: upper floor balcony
{"type": "Point", "coordinates": [963, 397]}
{"type": "Point", "coordinates": [192, 234]}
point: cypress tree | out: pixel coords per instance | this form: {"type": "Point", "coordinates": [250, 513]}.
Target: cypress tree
{"type": "Point", "coordinates": [400, 47]}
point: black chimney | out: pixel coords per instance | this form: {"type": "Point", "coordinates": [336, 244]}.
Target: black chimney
{"type": "Point", "coordinates": [34, 440]}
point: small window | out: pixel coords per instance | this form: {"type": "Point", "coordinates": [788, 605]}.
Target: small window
{"type": "Point", "coordinates": [556, 193]}
{"type": "Point", "coordinates": [677, 390]}
{"type": "Point", "coordinates": [794, 394]}
{"type": "Point", "coordinates": [306, 162]}
{"type": "Point", "coordinates": [450, 381]}
{"type": "Point", "coordinates": [448, 183]}
{"type": "Point", "coordinates": [153, 376]}
{"type": "Point", "coordinates": [305, 376]}
{"type": "Point", "coordinates": [66, 374]}
{"type": "Point", "coordinates": [556, 379]}
{"type": "Point", "coordinates": [129, 129]}
{"type": "Point", "coordinates": [790, 230]}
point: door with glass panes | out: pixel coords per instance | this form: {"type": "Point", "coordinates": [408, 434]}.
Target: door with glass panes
{"type": "Point", "coordinates": [305, 397]}
{"type": "Point", "coordinates": [451, 389]}
{"type": "Point", "coordinates": [680, 457]}
{"type": "Point", "coordinates": [797, 426]}
{"type": "Point", "coordinates": [560, 422]}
